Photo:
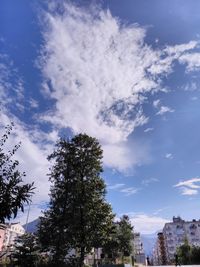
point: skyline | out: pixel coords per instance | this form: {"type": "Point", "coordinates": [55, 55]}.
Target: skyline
{"type": "Point", "coordinates": [125, 73]}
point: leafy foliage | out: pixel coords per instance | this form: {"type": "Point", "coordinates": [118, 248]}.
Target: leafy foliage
{"type": "Point", "coordinates": [195, 255]}
{"type": "Point", "coordinates": [119, 245]}
{"type": "Point", "coordinates": [26, 251]}
{"type": "Point", "coordinates": [79, 217]}
{"type": "Point", "coordinates": [188, 254]}
{"type": "Point", "coordinates": [13, 193]}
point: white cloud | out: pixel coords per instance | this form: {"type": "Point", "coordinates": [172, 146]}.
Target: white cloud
{"type": "Point", "coordinates": [164, 109]}
{"type": "Point", "coordinates": [160, 210]}
{"type": "Point", "coordinates": [97, 71]}
{"type": "Point", "coordinates": [147, 224]}
{"type": "Point", "coordinates": [121, 188]}
{"type": "Point", "coordinates": [178, 50]}
{"type": "Point", "coordinates": [189, 187]}
{"type": "Point", "coordinates": [193, 86]}
{"type": "Point", "coordinates": [123, 156]}
{"type": "Point", "coordinates": [11, 85]}
{"type": "Point", "coordinates": [115, 187]}
{"type": "Point", "coordinates": [129, 191]}
{"type": "Point", "coordinates": [192, 61]}
{"type": "Point", "coordinates": [169, 156]}
{"type": "Point", "coordinates": [148, 130]}
{"type": "Point", "coordinates": [156, 103]}
{"type": "Point", "coordinates": [33, 103]}
{"type": "Point", "coordinates": [188, 192]}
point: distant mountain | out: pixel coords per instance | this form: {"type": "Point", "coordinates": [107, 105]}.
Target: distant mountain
{"type": "Point", "coordinates": [148, 241]}
{"type": "Point", "coordinates": [32, 226]}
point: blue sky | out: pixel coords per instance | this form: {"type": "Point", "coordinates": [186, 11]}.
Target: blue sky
{"type": "Point", "coordinates": [125, 72]}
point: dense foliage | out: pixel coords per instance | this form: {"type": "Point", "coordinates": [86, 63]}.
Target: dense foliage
{"type": "Point", "coordinates": [26, 251]}
{"type": "Point", "coordinates": [188, 254]}
{"type": "Point", "coordinates": [120, 242]}
{"type": "Point", "coordinates": [13, 192]}
{"type": "Point", "coordinates": [78, 218]}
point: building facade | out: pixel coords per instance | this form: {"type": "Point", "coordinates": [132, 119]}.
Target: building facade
{"type": "Point", "coordinates": [2, 235]}
{"type": "Point", "coordinates": [174, 235]}
{"type": "Point", "coordinates": [8, 235]}
{"type": "Point", "coordinates": [176, 232]}
{"type": "Point", "coordinates": [138, 251]}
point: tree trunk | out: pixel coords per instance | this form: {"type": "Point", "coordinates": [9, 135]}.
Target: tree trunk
{"type": "Point", "coordinates": [82, 256]}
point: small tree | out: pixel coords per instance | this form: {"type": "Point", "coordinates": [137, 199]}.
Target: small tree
{"type": "Point", "coordinates": [26, 251]}
{"type": "Point", "coordinates": [13, 193]}
{"type": "Point", "coordinates": [125, 236]}
{"type": "Point", "coordinates": [79, 217]}
{"type": "Point", "coordinates": [184, 253]}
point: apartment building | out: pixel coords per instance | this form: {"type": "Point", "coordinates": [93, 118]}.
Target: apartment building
{"type": "Point", "coordinates": [138, 250]}
{"type": "Point", "coordinates": [8, 235]}
{"type": "Point", "coordinates": [2, 235]}
{"type": "Point", "coordinates": [176, 232]}
{"type": "Point", "coordinates": [173, 236]}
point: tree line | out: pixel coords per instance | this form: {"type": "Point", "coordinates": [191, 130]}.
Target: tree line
{"type": "Point", "coordinates": [78, 218]}
{"type": "Point", "coordinates": [187, 254]}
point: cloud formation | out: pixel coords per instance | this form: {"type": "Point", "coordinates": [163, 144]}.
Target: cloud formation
{"type": "Point", "coordinates": [161, 109]}
{"type": "Point", "coordinates": [128, 191]}
{"type": "Point", "coordinates": [98, 70]}
{"type": "Point", "coordinates": [189, 187]}
{"type": "Point", "coordinates": [169, 156]}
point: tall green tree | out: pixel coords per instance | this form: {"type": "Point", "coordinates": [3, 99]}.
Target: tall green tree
{"type": "Point", "coordinates": [125, 236]}
{"type": "Point", "coordinates": [78, 216]}
{"type": "Point", "coordinates": [120, 242]}
{"type": "Point", "coordinates": [14, 194]}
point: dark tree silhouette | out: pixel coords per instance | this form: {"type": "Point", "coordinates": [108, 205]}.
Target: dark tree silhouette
{"type": "Point", "coordinates": [13, 192]}
{"type": "Point", "coordinates": [78, 217]}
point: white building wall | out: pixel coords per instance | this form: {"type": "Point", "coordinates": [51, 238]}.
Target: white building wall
{"type": "Point", "coordinates": [13, 230]}
{"type": "Point", "coordinates": [176, 232]}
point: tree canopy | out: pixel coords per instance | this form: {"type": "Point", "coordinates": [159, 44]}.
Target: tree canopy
{"type": "Point", "coordinates": [188, 254]}
{"type": "Point", "coordinates": [26, 252]}
{"type": "Point", "coordinates": [120, 242]}
{"type": "Point", "coordinates": [13, 192]}
{"type": "Point", "coordinates": [78, 218]}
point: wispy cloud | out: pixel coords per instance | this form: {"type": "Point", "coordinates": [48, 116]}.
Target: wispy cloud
{"type": "Point", "coordinates": [128, 191]}
{"type": "Point", "coordinates": [189, 187]}
{"type": "Point", "coordinates": [148, 130]}
{"type": "Point", "coordinates": [164, 109]}
{"type": "Point", "coordinates": [161, 109]}
{"type": "Point", "coordinates": [102, 69]}
{"type": "Point", "coordinates": [160, 210]}
{"type": "Point", "coordinates": [169, 156]}
{"type": "Point", "coordinates": [192, 61]}
{"type": "Point", "coordinates": [193, 86]}
{"type": "Point", "coordinates": [115, 186]}
{"type": "Point", "coordinates": [149, 181]}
